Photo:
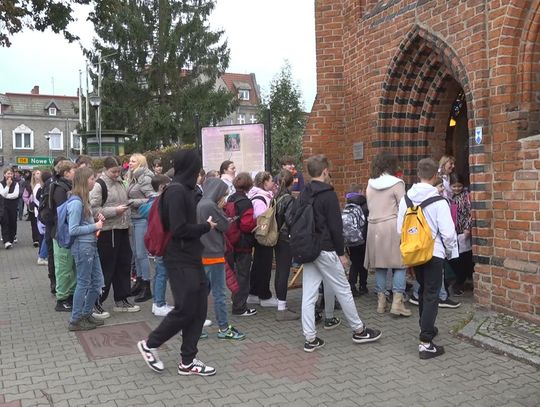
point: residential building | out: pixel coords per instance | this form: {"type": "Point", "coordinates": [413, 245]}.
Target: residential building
{"type": "Point", "coordinates": [245, 87]}
{"type": "Point", "coordinates": [35, 128]}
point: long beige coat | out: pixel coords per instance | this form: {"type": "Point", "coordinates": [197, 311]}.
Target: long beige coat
{"type": "Point", "coordinates": [382, 247]}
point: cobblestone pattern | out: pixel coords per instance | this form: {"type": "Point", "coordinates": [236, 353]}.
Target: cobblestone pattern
{"type": "Point", "coordinates": [42, 364]}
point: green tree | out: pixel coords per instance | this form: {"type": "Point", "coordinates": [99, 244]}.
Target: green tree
{"type": "Point", "coordinates": [160, 65]}
{"type": "Point", "coordinates": [288, 119]}
{"type": "Point", "coordinates": [15, 15]}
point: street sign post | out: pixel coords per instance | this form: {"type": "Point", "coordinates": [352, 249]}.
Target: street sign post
{"type": "Point", "coordinates": [37, 161]}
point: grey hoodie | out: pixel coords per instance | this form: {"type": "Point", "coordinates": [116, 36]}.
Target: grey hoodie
{"type": "Point", "coordinates": [213, 241]}
{"type": "Point", "coordinates": [438, 217]}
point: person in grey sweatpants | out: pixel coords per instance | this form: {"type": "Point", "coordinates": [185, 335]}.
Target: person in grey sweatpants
{"type": "Point", "coordinates": [328, 267]}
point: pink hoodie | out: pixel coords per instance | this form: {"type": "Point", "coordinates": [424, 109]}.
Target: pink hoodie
{"type": "Point", "coordinates": [258, 205]}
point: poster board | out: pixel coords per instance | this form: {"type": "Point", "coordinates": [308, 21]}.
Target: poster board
{"type": "Point", "coordinates": [242, 143]}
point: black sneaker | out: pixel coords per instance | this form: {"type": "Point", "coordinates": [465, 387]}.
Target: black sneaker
{"type": "Point", "coordinates": [247, 313]}
{"type": "Point", "coordinates": [318, 317]}
{"type": "Point", "coordinates": [429, 350]}
{"type": "Point", "coordinates": [197, 368]}
{"type": "Point", "coordinates": [448, 303]}
{"type": "Point", "coordinates": [355, 292]}
{"type": "Point", "coordinates": [331, 323]}
{"type": "Point", "coordinates": [63, 306]}
{"type": "Point", "coordinates": [458, 292]}
{"type": "Point", "coordinates": [363, 290]}
{"type": "Point", "coordinates": [367, 335]}
{"type": "Point", "coordinates": [314, 344]}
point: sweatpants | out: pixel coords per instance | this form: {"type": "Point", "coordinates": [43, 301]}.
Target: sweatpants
{"type": "Point", "coordinates": [64, 272]}
{"type": "Point", "coordinates": [326, 268]}
{"type": "Point", "coordinates": [189, 287]}
{"type": "Point", "coordinates": [357, 271]}
{"type": "Point", "coordinates": [115, 255]}
{"type": "Point", "coordinates": [241, 265]}
{"type": "Point", "coordinates": [283, 267]}
{"type": "Point", "coordinates": [50, 254]}
{"type": "Point", "coordinates": [9, 220]}
{"type": "Point", "coordinates": [429, 276]}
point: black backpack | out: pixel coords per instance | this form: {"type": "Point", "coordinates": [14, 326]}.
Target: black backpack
{"type": "Point", "coordinates": [305, 242]}
{"type": "Point", "coordinates": [46, 210]}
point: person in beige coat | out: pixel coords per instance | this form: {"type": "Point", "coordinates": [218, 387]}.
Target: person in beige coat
{"type": "Point", "coordinates": [383, 194]}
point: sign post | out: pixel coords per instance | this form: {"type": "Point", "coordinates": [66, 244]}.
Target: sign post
{"type": "Point", "coordinates": [36, 161]}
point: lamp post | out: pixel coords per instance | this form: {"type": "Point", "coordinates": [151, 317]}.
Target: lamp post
{"type": "Point", "coordinates": [48, 138]}
{"type": "Point", "coordinates": [95, 101]}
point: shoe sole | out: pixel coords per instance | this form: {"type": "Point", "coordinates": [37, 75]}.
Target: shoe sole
{"type": "Point", "coordinates": [314, 349]}
{"type": "Point", "coordinates": [143, 354]}
{"type": "Point", "coordinates": [329, 328]}
{"type": "Point", "coordinates": [245, 315]}
{"type": "Point", "coordinates": [184, 373]}
{"type": "Point", "coordinates": [125, 310]}
{"type": "Point", "coordinates": [430, 355]}
{"type": "Point", "coordinates": [101, 317]}
{"type": "Point", "coordinates": [376, 338]}
{"type": "Point", "coordinates": [449, 306]}
{"type": "Point", "coordinates": [232, 339]}
{"type": "Point", "coordinates": [399, 314]}
{"type": "Point", "coordinates": [78, 329]}
{"type": "Point", "coordinates": [413, 302]}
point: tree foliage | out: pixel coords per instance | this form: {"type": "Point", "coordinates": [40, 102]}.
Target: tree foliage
{"type": "Point", "coordinates": [160, 65]}
{"type": "Point", "coordinates": [15, 15]}
{"type": "Point", "coordinates": [288, 119]}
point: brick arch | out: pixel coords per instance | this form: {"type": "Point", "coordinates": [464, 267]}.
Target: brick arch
{"type": "Point", "coordinates": [413, 85]}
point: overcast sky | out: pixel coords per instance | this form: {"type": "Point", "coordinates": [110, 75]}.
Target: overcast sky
{"type": "Point", "coordinates": [261, 34]}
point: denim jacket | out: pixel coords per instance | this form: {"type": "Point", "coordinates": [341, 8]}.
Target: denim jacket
{"type": "Point", "coordinates": [83, 231]}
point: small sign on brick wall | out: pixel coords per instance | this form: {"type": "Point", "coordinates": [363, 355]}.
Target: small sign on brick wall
{"type": "Point", "coordinates": [358, 151]}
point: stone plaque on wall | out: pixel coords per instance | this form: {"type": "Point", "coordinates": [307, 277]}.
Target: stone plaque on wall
{"type": "Point", "coordinates": [358, 151]}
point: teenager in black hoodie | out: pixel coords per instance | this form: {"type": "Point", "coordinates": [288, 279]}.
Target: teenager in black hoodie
{"type": "Point", "coordinates": [357, 254]}
{"type": "Point", "coordinates": [183, 261]}
{"type": "Point", "coordinates": [328, 267]}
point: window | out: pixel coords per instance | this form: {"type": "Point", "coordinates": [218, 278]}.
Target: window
{"type": "Point", "coordinates": [23, 138]}
{"type": "Point", "coordinates": [56, 140]}
{"type": "Point", "coordinates": [241, 118]}
{"type": "Point", "coordinates": [0, 138]}
{"type": "Point", "coordinates": [253, 119]}
{"type": "Point", "coordinates": [52, 111]}
{"type": "Point", "coordinates": [243, 94]}
{"type": "Point", "coordinates": [75, 141]}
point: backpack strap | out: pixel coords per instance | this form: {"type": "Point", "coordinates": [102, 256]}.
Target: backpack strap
{"type": "Point", "coordinates": [408, 201]}
{"type": "Point", "coordinates": [104, 191]}
{"type": "Point", "coordinates": [431, 200]}
{"type": "Point", "coordinates": [259, 198]}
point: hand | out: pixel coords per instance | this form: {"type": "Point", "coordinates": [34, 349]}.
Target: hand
{"type": "Point", "coordinates": [9, 181]}
{"type": "Point", "coordinates": [221, 203]}
{"type": "Point", "coordinates": [467, 233]}
{"type": "Point", "coordinates": [99, 224]}
{"type": "Point", "coordinates": [344, 261]}
{"type": "Point", "coordinates": [211, 223]}
{"type": "Point", "coordinates": [121, 209]}
{"type": "Point", "coordinates": [101, 217]}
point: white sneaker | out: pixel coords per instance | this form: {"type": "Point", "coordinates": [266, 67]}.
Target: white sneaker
{"type": "Point", "coordinates": [151, 357]}
{"type": "Point", "coordinates": [253, 299]}
{"type": "Point", "coordinates": [270, 302]}
{"type": "Point", "coordinates": [161, 311]}
{"type": "Point", "coordinates": [100, 313]}
{"type": "Point", "coordinates": [7, 245]}
{"type": "Point", "coordinates": [207, 323]}
{"type": "Point", "coordinates": [42, 262]}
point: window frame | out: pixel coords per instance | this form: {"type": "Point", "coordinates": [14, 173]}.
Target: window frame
{"type": "Point", "coordinates": [241, 118]}
{"type": "Point", "coordinates": [56, 132]}
{"type": "Point", "coordinates": [22, 129]}
{"type": "Point", "coordinates": [243, 94]}
{"type": "Point", "coordinates": [74, 134]}
{"type": "Point", "coordinates": [53, 111]}
{"type": "Point", "coordinates": [1, 139]}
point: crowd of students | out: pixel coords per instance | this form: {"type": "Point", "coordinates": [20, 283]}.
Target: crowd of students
{"type": "Point", "coordinates": [212, 218]}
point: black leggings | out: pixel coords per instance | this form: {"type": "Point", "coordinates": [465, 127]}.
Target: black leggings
{"type": "Point", "coordinates": [283, 268]}
{"type": "Point", "coordinates": [261, 272]}
{"type": "Point", "coordinates": [9, 220]}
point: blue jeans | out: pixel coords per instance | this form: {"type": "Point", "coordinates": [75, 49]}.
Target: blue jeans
{"type": "Point", "coordinates": [43, 249]}
{"type": "Point", "coordinates": [160, 282]}
{"type": "Point", "coordinates": [89, 278]}
{"type": "Point", "coordinates": [216, 283]}
{"type": "Point", "coordinates": [398, 281]}
{"type": "Point", "coordinates": [140, 254]}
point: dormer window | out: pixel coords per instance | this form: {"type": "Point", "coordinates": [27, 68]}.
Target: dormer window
{"type": "Point", "coordinates": [52, 111]}
{"type": "Point", "coordinates": [243, 94]}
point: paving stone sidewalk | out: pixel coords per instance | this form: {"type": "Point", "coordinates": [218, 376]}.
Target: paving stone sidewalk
{"type": "Point", "coordinates": [42, 364]}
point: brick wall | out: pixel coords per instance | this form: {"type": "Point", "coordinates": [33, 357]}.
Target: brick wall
{"type": "Point", "coordinates": [387, 74]}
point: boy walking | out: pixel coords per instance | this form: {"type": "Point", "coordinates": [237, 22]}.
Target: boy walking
{"type": "Point", "coordinates": [183, 261]}
{"type": "Point", "coordinates": [429, 275]}
{"type": "Point", "coordinates": [328, 267]}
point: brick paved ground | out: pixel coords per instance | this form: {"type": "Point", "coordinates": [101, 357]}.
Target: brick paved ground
{"type": "Point", "coordinates": [42, 364]}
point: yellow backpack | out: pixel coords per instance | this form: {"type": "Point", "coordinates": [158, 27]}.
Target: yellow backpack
{"type": "Point", "coordinates": [417, 243]}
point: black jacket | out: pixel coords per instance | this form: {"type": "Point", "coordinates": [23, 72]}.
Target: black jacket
{"type": "Point", "coordinates": [327, 214]}
{"type": "Point", "coordinates": [284, 208]}
{"type": "Point", "coordinates": [180, 209]}
{"type": "Point", "coordinates": [60, 189]}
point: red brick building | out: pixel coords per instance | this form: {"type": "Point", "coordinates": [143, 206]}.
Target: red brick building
{"type": "Point", "coordinates": [391, 74]}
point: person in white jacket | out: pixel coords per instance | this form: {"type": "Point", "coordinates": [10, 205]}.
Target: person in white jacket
{"type": "Point", "coordinates": [430, 274]}
{"type": "Point", "coordinates": [9, 190]}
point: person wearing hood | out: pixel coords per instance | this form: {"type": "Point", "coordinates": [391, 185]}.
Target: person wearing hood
{"type": "Point", "coordinates": [430, 274]}
{"type": "Point", "coordinates": [357, 254]}
{"type": "Point", "coordinates": [383, 194]}
{"type": "Point", "coordinates": [183, 261]}
{"type": "Point", "coordinates": [261, 269]}
{"type": "Point", "coordinates": [139, 191]}
{"type": "Point", "coordinates": [213, 256]}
